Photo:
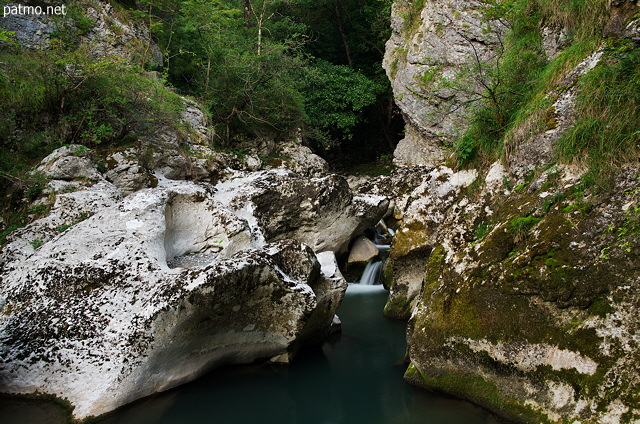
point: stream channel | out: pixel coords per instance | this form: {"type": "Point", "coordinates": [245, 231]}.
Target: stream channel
{"type": "Point", "coordinates": [355, 378]}
{"type": "Point", "coordinates": [352, 380]}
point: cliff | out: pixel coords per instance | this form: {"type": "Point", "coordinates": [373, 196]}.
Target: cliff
{"type": "Point", "coordinates": [517, 255]}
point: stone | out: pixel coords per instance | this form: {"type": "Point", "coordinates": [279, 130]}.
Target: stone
{"type": "Point", "coordinates": [413, 150]}
{"type": "Point", "coordinates": [301, 160]}
{"type": "Point", "coordinates": [535, 327]}
{"type": "Point", "coordinates": [194, 117]}
{"type": "Point", "coordinates": [424, 60]}
{"type": "Point", "coordinates": [362, 251]}
{"type": "Point", "coordinates": [321, 212]}
{"type": "Point", "coordinates": [68, 209]}
{"type": "Point", "coordinates": [68, 163]}
{"type": "Point", "coordinates": [96, 316]}
{"type": "Point", "coordinates": [31, 31]}
{"type": "Point", "coordinates": [126, 173]}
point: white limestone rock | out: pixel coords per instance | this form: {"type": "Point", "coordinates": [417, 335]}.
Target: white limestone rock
{"type": "Point", "coordinates": [424, 63]}
{"type": "Point", "coordinates": [302, 160]}
{"type": "Point", "coordinates": [321, 212]}
{"type": "Point", "coordinates": [126, 173]}
{"type": "Point", "coordinates": [96, 316]}
{"type": "Point", "coordinates": [68, 163]}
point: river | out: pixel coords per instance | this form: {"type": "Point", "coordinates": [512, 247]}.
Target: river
{"type": "Point", "coordinates": [354, 379]}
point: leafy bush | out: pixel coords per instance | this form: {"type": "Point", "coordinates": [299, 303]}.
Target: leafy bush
{"type": "Point", "coordinates": [335, 96]}
{"type": "Point", "coordinates": [57, 97]}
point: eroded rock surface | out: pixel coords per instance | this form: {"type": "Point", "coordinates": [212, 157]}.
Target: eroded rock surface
{"type": "Point", "coordinates": [106, 299]}
{"type": "Point", "coordinates": [428, 59]}
{"type": "Point", "coordinates": [519, 278]}
{"type": "Point", "coordinates": [97, 317]}
{"type": "Point", "coordinates": [526, 304]}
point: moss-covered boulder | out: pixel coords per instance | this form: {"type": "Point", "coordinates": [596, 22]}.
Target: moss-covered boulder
{"type": "Point", "coordinates": [536, 319]}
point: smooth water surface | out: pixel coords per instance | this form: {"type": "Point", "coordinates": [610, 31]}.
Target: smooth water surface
{"type": "Point", "coordinates": [356, 379]}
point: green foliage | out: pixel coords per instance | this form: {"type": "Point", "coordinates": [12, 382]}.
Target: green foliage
{"type": "Point", "coordinates": [626, 232]}
{"type": "Point", "coordinates": [8, 230]}
{"type": "Point", "coordinates": [73, 25]}
{"type": "Point", "coordinates": [5, 35]}
{"type": "Point", "coordinates": [607, 131]}
{"type": "Point", "coordinates": [36, 243]}
{"type": "Point", "coordinates": [40, 210]}
{"type": "Point", "coordinates": [34, 183]}
{"type": "Point", "coordinates": [64, 96]}
{"type": "Point", "coordinates": [508, 85]}
{"type": "Point", "coordinates": [482, 229]}
{"type": "Point", "coordinates": [521, 226]}
{"type": "Point", "coordinates": [335, 98]}
{"type": "Point", "coordinates": [516, 86]}
{"type": "Point", "coordinates": [260, 72]}
{"type": "Point", "coordinates": [411, 16]}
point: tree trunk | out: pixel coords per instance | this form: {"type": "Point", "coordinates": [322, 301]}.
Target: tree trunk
{"type": "Point", "coordinates": [247, 12]}
{"type": "Point", "coordinates": [343, 33]}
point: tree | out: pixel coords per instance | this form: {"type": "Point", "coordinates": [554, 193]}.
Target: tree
{"type": "Point", "coordinates": [335, 97]}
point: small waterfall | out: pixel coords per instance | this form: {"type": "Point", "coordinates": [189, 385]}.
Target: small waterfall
{"type": "Point", "coordinates": [381, 236]}
{"type": "Point", "coordinates": [371, 274]}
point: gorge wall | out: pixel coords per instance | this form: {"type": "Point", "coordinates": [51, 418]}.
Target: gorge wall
{"type": "Point", "coordinates": [519, 276]}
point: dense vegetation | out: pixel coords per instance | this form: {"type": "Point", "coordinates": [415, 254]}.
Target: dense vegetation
{"type": "Point", "coordinates": [608, 107]}
{"type": "Point", "coordinates": [263, 69]}
{"type": "Point", "coordinates": [269, 68]}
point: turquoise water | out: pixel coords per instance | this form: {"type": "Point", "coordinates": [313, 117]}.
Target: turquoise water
{"type": "Point", "coordinates": [356, 379]}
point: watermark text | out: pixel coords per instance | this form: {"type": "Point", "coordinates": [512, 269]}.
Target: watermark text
{"type": "Point", "coordinates": [20, 9]}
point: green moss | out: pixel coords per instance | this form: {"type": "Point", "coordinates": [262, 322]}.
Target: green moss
{"type": "Point", "coordinates": [387, 274]}
{"type": "Point", "coordinates": [477, 389]}
{"type": "Point", "coordinates": [397, 306]}
{"type": "Point", "coordinates": [551, 262]}
{"type": "Point", "coordinates": [433, 271]}
{"type": "Point", "coordinates": [521, 226]}
{"type": "Point", "coordinates": [496, 246]}
{"type": "Point", "coordinates": [601, 307]}
{"type": "Point", "coordinates": [410, 237]}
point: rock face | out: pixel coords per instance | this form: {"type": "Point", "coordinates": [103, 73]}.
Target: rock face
{"type": "Point", "coordinates": [428, 59]}
{"type": "Point", "coordinates": [362, 251]}
{"type": "Point", "coordinates": [519, 279]}
{"type": "Point", "coordinates": [98, 317]}
{"type": "Point", "coordinates": [322, 212]}
{"type": "Point", "coordinates": [145, 266]}
{"type": "Point", "coordinates": [527, 304]}
{"type": "Point", "coordinates": [108, 34]}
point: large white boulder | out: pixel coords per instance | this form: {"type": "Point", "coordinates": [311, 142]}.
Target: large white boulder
{"type": "Point", "coordinates": [96, 316]}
